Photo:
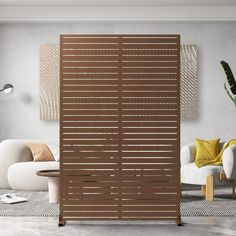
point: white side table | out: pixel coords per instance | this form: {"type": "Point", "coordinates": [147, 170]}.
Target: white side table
{"type": "Point", "coordinates": [53, 184]}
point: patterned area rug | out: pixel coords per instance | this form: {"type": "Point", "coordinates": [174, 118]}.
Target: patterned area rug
{"type": "Point", "coordinates": [192, 204]}
{"type": "Point", "coordinates": [37, 205]}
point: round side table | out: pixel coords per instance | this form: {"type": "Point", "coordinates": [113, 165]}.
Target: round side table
{"type": "Point", "coordinates": [53, 184]}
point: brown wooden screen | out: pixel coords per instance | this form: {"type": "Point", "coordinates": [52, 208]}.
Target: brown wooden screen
{"type": "Point", "coordinates": [120, 127]}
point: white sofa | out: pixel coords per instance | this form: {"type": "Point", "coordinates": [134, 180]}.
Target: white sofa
{"type": "Point", "coordinates": [208, 176]}
{"type": "Point", "coordinates": [17, 169]}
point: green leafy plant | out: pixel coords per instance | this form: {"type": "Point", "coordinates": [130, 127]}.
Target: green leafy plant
{"type": "Point", "coordinates": [231, 81]}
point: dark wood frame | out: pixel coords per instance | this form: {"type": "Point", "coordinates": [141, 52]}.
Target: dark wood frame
{"type": "Point", "coordinates": [120, 127]}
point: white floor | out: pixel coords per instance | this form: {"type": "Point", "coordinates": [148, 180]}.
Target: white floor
{"type": "Point", "coordinates": [194, 226]}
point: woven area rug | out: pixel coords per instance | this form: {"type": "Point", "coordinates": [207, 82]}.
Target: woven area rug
{"type": "Point", "coordinates": [192, 204]}
{"type": "Point", "coordinates": [37, 205]}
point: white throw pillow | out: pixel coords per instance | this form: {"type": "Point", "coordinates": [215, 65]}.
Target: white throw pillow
{"type": "Point", "coordinates": [55, 149]}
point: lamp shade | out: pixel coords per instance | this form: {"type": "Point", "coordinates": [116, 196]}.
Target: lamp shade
{"type": "Point", "coordinates": [7, 88]}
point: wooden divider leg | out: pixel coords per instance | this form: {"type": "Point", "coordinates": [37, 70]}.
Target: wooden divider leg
{"type": "Point", "coordinates": [179, 222]}
{"type": "Point", "coordinates": [210, 188]}
{"type": "Point", "coordinates": [61, 222]}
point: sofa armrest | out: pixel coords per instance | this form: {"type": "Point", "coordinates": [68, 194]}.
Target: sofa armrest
{"type": "Point", "coordinates": [12, 151]}
{"type": "Point", "coordinates": [229, 162]}
{"type": "Point", "coordinates": [188, 153]}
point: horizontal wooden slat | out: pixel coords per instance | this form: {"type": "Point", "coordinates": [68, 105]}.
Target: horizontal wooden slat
{"type": "Point", "coordinates": [114, 87]}
{"type": "Point", "coordinates": [85, 159]}
{"type": "Point", "coordinates": [115, 112]}
{"type": "Point", "coordinates": [148, 52]}
{"type": "Point", "coordinates": [90, 82]}
{"type": "Point", "coordinates": [164, 93]}
{"type": "Point", "coordinates": [154, 87]}
{"type": "Point", "coordinates": [93, 40]}
{"type": "Point", "coordinates": [124, 123]}
{"type": "Point", "coordinates": [150, 129]}
{"type": "Point", "coordinates": [125, 141]}
{"type": "Point", "coordinates": [168, 219]}
{"type": "Point", "coordinates": [152, 47]}
{"type": "Point", "coordinates": [91, 88]}
{"type": "Point", "coordinates": [90, 76]}
{"type": "Point", "coordinates": [113, 208]}
{"type": "Point", "coordinates": [89, 58]}
{"type": "Point", "coordinates": [138, 70]}
{"type": "Point", "coordinates": [94, 70]}
{"type": "Point", "coordinates": [123, 202]}
{"type": "Point", "coordinates": [113, 179]}
{"type": "Point", "coordinates": [84, 52]}
{"type": "Point", "coordinates": [119, 184]}
{"type": "Point", "coordinates": [90, 118]}
{"type": "Point", "coordinates": [150, 136]}
{"type": "Point", "coordinates": [149, 118]}
{"type": "Point", "coordinates": [66, 64]}
{"type": "Point", "coordinates": [152, 40]}
{"type": "Point", "coordinates": [92, 46]}
{"type": "Point", "coordinates": [90, 154]}
{"type": "Point", "coordinates": [149, 57]}
{"type": "Point", "coordinates": [94, 136]}
{"type": "Point", "coordinates": [114, 81]}
{"type": "Point", "coordinates": [146, 75]}
{"type": "Point", "coordinates": [148, 148]}
{"type": "Point", "coordinates": [149, 63]}
{"type": "Point", "coordinates": [89, 148]}
{"type": "Point", "coordinates": [90, 94]}
{"type": "Point", "coordinates": [116, 190]}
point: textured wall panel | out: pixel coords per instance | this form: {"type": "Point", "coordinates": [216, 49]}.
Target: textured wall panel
{"type": "Point", "coordinates": [49, 98]}
{"type": "Point", "coordinates": [49, 82]}
{"type": "Point", "coordinates": [189, 82]}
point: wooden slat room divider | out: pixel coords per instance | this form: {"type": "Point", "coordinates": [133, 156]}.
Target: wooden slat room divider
{"type": "Point", "coordinates": [120, 127]}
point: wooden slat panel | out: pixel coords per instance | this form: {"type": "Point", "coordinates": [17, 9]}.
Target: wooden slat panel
{"type": "Point", "coordinates": [119, 127]}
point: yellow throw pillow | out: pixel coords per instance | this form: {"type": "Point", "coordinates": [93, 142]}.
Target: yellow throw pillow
{"type": "Point", "coordinates": [40, 152]}
{"type": "Point", "coordinates": [206, 151]}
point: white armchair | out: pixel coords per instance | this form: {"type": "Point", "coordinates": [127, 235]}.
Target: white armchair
{"type": "Point", "coordinates": [210, 175]}
{"type": "Point", "coordinates": [17, 168]}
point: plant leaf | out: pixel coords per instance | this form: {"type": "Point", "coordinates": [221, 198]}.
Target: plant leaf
{"type": "Point", "coordinates": [230, 96]}
{"type": "Point", "coordinates": [230, 76]}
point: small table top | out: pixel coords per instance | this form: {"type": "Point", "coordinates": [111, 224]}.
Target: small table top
{"type": "Point", "coordinates": [48, 173]}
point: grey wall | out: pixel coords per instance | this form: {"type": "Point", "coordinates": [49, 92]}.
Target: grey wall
{"type": "Point", "coordinates": [19, 65]}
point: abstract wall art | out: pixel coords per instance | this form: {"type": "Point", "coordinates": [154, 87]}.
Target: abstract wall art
{"type": "Point", "coordinates": [49, 82]}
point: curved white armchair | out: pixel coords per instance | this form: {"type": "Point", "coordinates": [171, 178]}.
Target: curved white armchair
{"type": "Point", "coordinates": [210, 175]}
{"type": "Point", "coordinates": [17, 168]}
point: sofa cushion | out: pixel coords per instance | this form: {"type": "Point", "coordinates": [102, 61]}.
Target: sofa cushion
{"type": "Point", "coordinates": [40, 152]}
{"type": "Point", "coordinates": [206, 150]}
{"type": "Point", "coordinates": [22, 175]}
{"type": "Point", "coordinates": [53, 146]}
{"type": "Point", "coordinates": [191, 174]}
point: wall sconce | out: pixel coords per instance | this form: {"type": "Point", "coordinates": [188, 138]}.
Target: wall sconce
{"type": "Point", "coordinates": [7, 88]}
